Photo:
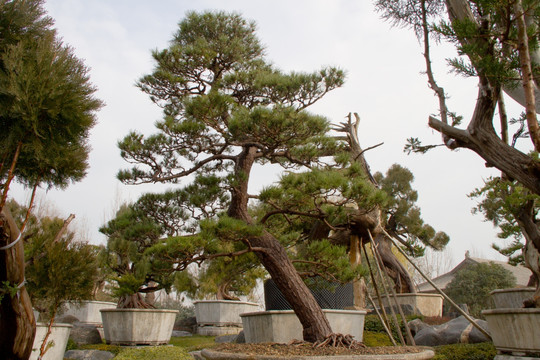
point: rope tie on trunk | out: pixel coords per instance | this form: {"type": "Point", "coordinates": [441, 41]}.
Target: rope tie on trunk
{"type": "Point", "coordinates": [11, 244]}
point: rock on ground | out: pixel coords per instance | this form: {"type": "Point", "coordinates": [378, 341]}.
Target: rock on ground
{"type": "Point", "coordinates": [178, 333]}
{"type": "Point", "coordinates": [85, 334]}
{"type": "Point", "coordinates": [455, 331]}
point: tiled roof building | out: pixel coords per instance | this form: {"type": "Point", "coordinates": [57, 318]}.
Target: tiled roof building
{"type": "Point", "coordinates": [521, 273]}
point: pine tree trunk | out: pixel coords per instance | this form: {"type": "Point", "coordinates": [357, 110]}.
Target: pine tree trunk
{"type": "Point", "coordinates": [17, 323]}
{"type": "Point", "coordinates": [133, 301]}
{"type": "Point", "coordinates": [275, 259]}
{"type": "Point", "coordinates": [279, 266]}
{"type": "Point", "coordinates": [395, 269]}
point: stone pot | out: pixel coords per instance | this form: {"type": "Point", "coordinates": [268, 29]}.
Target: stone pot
{"type": "Point", "coordinates": [138, 326]}
{"type": "Point", "coordinates": [86, 311]}
{"type": "Point", "coordinates": [59, 337]}
{"type": "Point", "coordinates": [515, 331]}
{"type": "Point", "coordinates": [282, 326]}
{"type": "Point", "coordinates": [421, 304]}
{"type": "Point", "coordinates": [220, 317]}
{"type": "Point", "coordinates": [511, 298]}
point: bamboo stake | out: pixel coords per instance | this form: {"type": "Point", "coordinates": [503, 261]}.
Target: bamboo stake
{"type": "Point", "coordinates": [467, 316]}
{"type": "Point", "coordinates": [385, 321]}
{"type": "Point", "coordinates": [383, 282]}
{"type": "Point", "coordinates": [388, 332]}
{"type": "Point", "coordinates": [394, 295]}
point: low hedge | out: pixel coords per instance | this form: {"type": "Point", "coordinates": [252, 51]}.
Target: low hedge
{"type": "Point", "coordinates": [481, 351]}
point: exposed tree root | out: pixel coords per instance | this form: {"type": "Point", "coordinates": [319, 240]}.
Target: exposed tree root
{"type": "Point", "coordinates": [333, 340]}
{"type": "Point", "coordinates": [339, 340]}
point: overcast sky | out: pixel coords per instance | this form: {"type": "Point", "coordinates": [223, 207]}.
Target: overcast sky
{"type": "Point", "coordinates": [385, 86]}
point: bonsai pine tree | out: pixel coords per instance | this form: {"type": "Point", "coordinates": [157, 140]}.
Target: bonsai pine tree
{"type": "Point", "coordinates": [129, 234]}
{"type": "Point", "coordinates": [226, 108]}
{"type": "Point", "coordinates": [47, 109]}
{"type": "Point", "coordinates": [498, 45]}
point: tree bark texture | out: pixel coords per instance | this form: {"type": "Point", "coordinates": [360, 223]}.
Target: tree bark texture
{"type": "Point", "coordinates": [275, 259]}
{"type": "Point", "coordinates": [395, 269]}
{"type": "Point", "coordinates": [279, 266]}
{"type": "Point", "coordinates": [527, 76]}
{"type": "Point", "coordinates": [17, 323]}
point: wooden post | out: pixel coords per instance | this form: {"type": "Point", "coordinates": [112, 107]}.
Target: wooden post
{"type": "Point", "coordinates": [394, 295]}
{"type": "Point", "coordinates": [384, 317]}
{"type": "Point", "coordinates": [359, 286]}
{"type": "Point", "coordinates": [383, 282]}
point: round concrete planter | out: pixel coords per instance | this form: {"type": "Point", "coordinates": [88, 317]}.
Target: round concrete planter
{"type": "Point", "coordinates": [216, 355]}
{"type": "Point", "coordinates": [220, 317]}
{"type": "Point", "coordinates": [138, 326]}
{"type": "Point", "coordinates": [511, 298]}
{"type": "Point", "coordinates": [282, 326]}
{"type": "Point", "coordinates": [59, 337]}
{"type": "Point", "coordinates": [515, 331]}
{"type": "Point", "coordinates": [86, 311]}
{"type": "Point", "coordinates": [422, 304]}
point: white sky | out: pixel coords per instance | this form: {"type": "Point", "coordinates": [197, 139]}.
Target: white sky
{"type": "Point", "coordinates": [385, 85]}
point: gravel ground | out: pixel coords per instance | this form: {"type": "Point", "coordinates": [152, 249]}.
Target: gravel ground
{"type": "Point", "coordinates": [273, 349]}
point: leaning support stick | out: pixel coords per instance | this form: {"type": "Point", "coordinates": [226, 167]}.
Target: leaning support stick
{"type": "Point", "coordinates": [379, 261]}
{"type": "Point", "coordinates": [467, 316]}
{"type": "Point", "coordinates": [383, 317]}
{"type": "Point", "coordinates": [387, 293]}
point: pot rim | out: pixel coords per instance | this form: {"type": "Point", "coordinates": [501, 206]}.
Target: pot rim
{"type": "Point", "coordinates": [509, 311]}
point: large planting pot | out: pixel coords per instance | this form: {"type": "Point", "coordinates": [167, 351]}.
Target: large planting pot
{"type": "Point", "coordinates": [220, 317]}
{"type": "Point", "coordinates": [59, 337]}
{"type": "Point", "coordinates": [511, 298]}
{"type": "Point", "coordinates": [515, 331]}
{"type": "Point", "coordinates": [282, 326]}
{"type": "Point", "coordinates": [86, 311]}
{"type": "Point", "coordinates": [138, 326]}
{"type": "Point", "coordinates": [421, 304]}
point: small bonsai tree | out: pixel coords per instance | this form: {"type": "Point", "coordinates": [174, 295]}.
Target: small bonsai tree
{"type": "Point", "coordinates": [222, 278]}
{"type": "Point", "coordinates": [129, 234]}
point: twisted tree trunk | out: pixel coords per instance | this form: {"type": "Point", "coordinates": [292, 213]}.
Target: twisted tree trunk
{"type": "Point", "coordinates": [275, 259]}
{"type": "Point", "coordinates": [17, 323]}
{"type": "Point", "coordinates": [370, 221]}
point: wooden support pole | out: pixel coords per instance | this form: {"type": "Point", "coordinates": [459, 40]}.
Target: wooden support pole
{"type": "Point", "coordinates": [460, 310]}
{"type": "Point", "coordinates": [384, 317]}
{"type": "Point", "coordinates": [383, 282]}
{"type": "Point", "coordinates": [394, 295]}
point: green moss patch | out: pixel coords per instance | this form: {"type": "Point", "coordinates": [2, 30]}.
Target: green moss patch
{"type": "Point", "coordinates": [154, 353]}
{"type": "Point", "coordinates": [193, 343]}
